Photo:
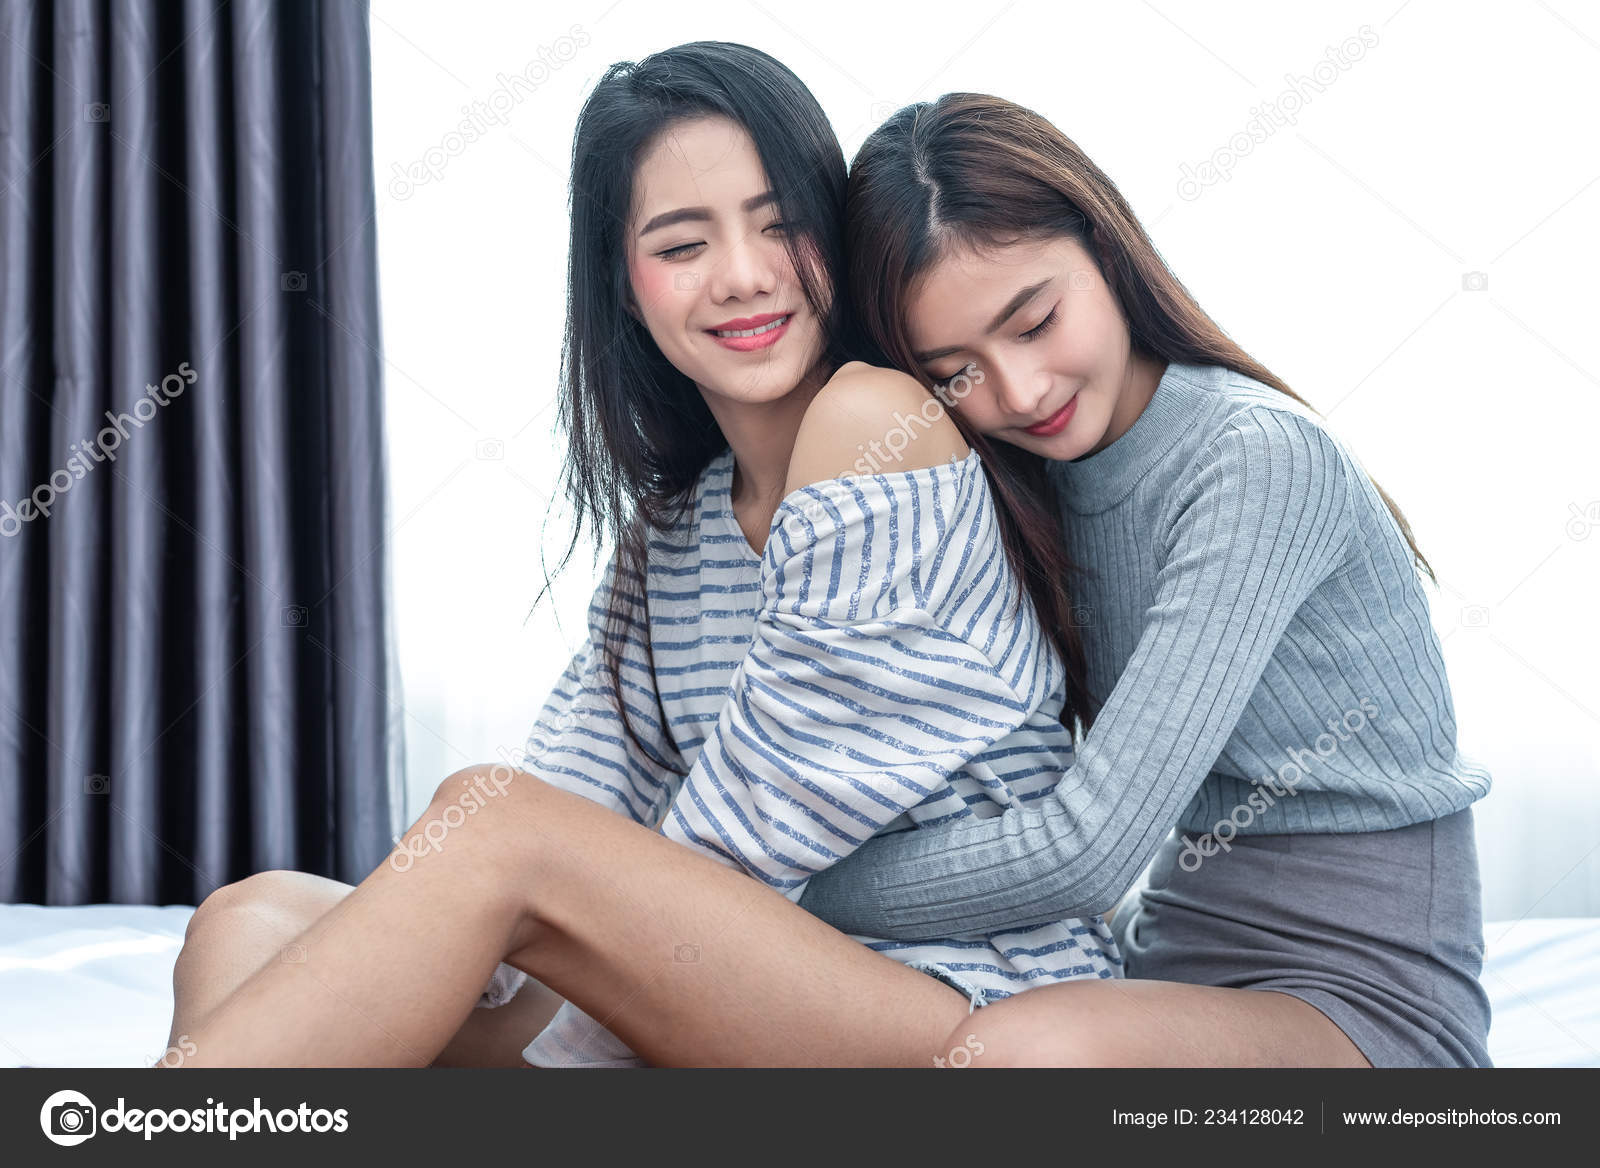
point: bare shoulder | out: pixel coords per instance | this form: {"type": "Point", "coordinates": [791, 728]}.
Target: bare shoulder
{"type": "Point", "coordinates": [869, 419]}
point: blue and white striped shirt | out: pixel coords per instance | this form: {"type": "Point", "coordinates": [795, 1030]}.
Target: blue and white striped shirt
{"type": "Point", "coordinates": [877, 669]}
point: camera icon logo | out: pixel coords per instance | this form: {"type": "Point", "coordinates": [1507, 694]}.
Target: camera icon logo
{"type": "Point", "coordinates": [686, 281]}
{"type": "Point", "coordinates": [97, 111]}
{"type": "Point", "coordinates": [490, 450]}
{"type": "Point", "coordinates": [1475, 282]}
{"type": "Point", "coordinates": [687, 954]}
{"type": "Point", "coordinates": [67, 1118]}
{"type": "Point", "coordinates": [96, 784]}
{"type": "Point", "coordinates": [293, 282]}
{"type": "Point", "coordinates": [294, 616]}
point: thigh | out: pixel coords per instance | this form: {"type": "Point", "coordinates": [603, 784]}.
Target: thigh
{"type": "Point", "coordinates": [1134, 1023]}
{"type": "Point", "coordinates": [693, 963]}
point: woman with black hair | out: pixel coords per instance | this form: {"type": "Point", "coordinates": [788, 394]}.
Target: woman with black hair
{"type": "Point", "coordinates": [815, 628]}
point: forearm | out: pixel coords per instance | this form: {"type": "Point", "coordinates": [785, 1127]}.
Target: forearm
{"type": "Point", "coordinates": [1029, 866]}
{"type": "Point", "coordinates": [1248, 543]}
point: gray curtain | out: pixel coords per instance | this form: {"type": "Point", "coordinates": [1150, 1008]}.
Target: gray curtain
{"type": "Point", "coordinates": [196, 671]}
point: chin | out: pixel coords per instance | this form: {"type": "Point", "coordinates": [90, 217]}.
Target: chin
{"type": "Point", "coordinates": [755, 382]}
{"type": "Point", "coordinates": [1062, 447]}
{"type": "Point", "coordinates": [755, 386]}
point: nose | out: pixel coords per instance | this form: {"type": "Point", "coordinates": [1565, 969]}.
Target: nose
{"type": "Point", "coordinates": [1018, 387]}
{"type": "Point", "coordinates": [744, 271]}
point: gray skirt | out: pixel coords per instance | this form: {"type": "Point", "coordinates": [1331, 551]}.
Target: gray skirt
{"type": "Point", "coordinates": [1381, 931]}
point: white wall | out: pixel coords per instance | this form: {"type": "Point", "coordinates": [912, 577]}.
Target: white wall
{"type": "Point", "coordinates": [1459, 138]}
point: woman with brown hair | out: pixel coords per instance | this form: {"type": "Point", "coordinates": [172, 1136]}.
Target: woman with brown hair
{"type": "Point", "coordinates": [1249, 612]}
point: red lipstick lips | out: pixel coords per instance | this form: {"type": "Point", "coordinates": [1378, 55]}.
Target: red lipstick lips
{"type": "Point", "coordinates": [1056, 422]}
{"type": "Point", "coordinates": [746, 333]}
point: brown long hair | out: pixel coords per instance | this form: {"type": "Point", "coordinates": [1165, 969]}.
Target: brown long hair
{"type": "Point", "coordinates": [978, 171]}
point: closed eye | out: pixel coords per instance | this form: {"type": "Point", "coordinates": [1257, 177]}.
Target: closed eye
{"type": "Point", "coordinates": [1042, 327]}
{"type": "Point", "coordinates": [684, 249]}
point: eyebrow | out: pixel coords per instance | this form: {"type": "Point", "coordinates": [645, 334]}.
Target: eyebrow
{"type": "Point", "coordinates": [1005, 314]}
{"type": "Point", "coordinates": [702, 214]}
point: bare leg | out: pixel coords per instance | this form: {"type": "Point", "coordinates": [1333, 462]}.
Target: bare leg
{"type": "Point", "coordinates": [390, 976]}
{"type": "Point", "coordinates": [689, 962]}
{"type": "Point", "coordinates": [242, 926]}
{"type": "Point", "coordinates": [768, 984]}
{"type": "Point", "coordinates": [1136, 1023]}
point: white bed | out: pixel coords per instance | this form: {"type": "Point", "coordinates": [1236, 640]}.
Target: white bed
{"type": "Point", "coordinates": [92, 987]}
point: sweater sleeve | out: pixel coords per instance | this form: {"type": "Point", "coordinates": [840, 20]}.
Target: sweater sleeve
{"type": "Point", "coordinates": [1262, 518]}
{"type": "Point", "coordinates": [869, 680]}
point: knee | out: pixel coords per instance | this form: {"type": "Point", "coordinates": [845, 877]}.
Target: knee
{"type": "Point", "coordinates": [244, 895]}
{"type": "Point", "coordinates": [1051, 1026]}
{"type": "Point", "coordinates": [494, 793]}
{"type": "Point", "coordinates": [487, 784]}
{"type": "Point", "coordinates": [492, 812]}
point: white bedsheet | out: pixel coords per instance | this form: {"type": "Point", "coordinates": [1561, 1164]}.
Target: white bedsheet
{"type": "Point", "coordinates": [92, 987]}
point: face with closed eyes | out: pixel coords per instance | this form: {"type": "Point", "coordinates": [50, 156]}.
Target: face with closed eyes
{"type": "Point", "coordinates": [1053, 367]}
{"type": "Point", "coordinates": [708, 267]}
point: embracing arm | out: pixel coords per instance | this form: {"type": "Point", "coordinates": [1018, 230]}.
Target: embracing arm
{"type": "Point", "coordinates": [860, 696]}
{"type": "Point", "coordinates": [1264, 520]}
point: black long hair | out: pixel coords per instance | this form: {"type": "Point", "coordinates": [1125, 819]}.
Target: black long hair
{"type": "Point", "coordinates": [640, 434]}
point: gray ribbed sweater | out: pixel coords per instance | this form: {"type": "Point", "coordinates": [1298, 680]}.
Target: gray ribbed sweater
{"type": "Point", "coordinates": [1260, 638]}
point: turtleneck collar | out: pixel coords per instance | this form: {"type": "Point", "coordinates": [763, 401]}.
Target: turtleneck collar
{"type": "Point", "coordinates": [1097, 481]}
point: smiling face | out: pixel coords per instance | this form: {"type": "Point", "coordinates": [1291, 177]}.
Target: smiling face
{"type": "Point", "coordinates": [709, 270]}
{"type": "Point", "coordinates": [1059, 375]}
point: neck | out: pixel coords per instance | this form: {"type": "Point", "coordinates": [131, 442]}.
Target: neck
{"type": "Point", "coordinates": [1138, 387]}
{"type": "Point", "coordinates": [761, 435]}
